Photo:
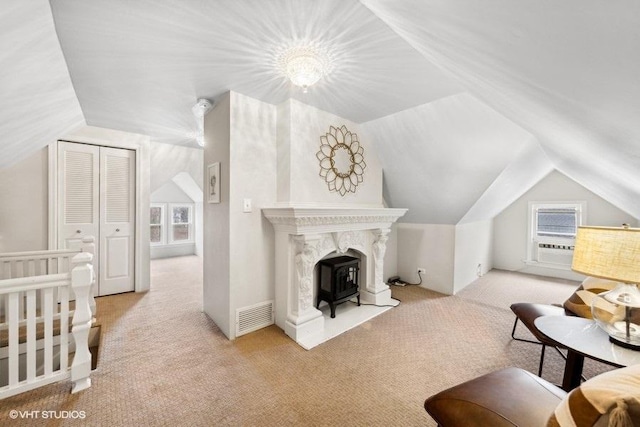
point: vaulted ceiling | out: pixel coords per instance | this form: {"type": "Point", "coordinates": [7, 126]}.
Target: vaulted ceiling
{"type": "Point", "coordinates": [468, 103]}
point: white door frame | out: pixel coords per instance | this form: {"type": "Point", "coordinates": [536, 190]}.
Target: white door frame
{"type": "Point", "coordinates": [141, 147]}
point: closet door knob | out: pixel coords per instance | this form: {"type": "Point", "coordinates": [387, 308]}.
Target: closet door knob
{"type": "Point", "coordinates": [78, 231]}
{"type": "Point", "coordinates": [117, 229]}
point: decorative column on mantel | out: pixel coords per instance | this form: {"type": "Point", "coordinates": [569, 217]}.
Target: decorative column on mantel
{"type": "Point", "coordinates": [303, 237]}
{"type": "Point", "coordinates": [301, 308]}
{"type": "Point", "coordinates": [379, 249]}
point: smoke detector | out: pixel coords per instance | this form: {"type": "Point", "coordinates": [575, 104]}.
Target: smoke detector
{"type": "Point", "coordinates": [202, 107]}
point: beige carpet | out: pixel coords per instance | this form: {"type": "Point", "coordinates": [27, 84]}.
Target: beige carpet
{"type": "Point", "coordinates": [164, 363]}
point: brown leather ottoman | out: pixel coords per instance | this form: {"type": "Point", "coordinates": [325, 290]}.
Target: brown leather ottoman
{"type": "Point", "coordinates": [509, 397]}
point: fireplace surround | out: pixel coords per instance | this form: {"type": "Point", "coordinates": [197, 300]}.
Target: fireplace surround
{"type": "Point", "coordinates": [304, 236]}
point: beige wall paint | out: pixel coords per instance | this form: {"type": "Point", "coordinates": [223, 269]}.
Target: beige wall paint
{"type": "Point", "coordinates": [24, 204]}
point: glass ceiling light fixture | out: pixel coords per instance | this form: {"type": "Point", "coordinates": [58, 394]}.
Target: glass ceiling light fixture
{"type": "Point", "coordinates": [613, 253]}
{"type": "Point", "coordinates": [202, 107]}
{"type": "Point", "coordinates": [304, 65]}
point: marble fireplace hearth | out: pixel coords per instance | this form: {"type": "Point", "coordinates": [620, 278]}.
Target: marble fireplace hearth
{"type": "Point", "coordinates": [304, 236]}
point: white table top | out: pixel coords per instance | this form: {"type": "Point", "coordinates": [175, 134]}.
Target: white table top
{"type": "Point", "coordinates": [585, 337]}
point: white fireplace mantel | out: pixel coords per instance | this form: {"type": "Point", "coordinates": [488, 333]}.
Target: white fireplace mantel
{"type": "Point", "coordinates": [303, 237]}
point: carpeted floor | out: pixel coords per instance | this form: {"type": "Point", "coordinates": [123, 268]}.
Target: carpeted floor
{"type": "Point", "coordinates": [164, 363]}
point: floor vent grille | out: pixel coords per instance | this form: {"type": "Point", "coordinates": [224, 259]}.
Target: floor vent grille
{"type": "Point", "coordinates": [252, 318]}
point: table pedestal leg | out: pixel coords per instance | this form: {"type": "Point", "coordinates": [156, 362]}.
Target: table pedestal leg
{"type": "Point", "coordinates": [572, 371]}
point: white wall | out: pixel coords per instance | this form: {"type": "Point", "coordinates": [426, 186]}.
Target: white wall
{"type": "Point", "coordinates": [473, 252]}
{"type": "Point", "coordinates": [510, 226]}
{"type": "Point", "coordinates": [267, 154]}
{"type": "Point", "coordinates": [429, 246]}
{"type": "Point", "coordinates": [216, 298]}
{"type": "Point", "coordinates": [23, 204]}
{"type": "Point", "coordinates": [170, 193]}
{"type": "Point", "coordinates": [253, 176]}
{"type": "Point", "coordinates": [301, 183]}
{"type": "Point", "coordinates": [168, 160]}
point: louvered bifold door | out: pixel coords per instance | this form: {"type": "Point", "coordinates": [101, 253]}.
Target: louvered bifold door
{"type": "Point", "coordinates": [117, 214]}
{"type": "Point", "coordinates": [78, 190]}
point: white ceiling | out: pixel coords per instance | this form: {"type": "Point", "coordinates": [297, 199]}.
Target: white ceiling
{"type": "Point", "coordinates": [140, 66]}
{"type": "Point", "coordinates": [468, 103]}
{"type": "Point", "coordinates": [568, 72]}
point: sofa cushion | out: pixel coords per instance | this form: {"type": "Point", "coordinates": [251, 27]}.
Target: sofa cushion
{"type": "Point", "coordinates": [611, 399]}
{"type": "Point", "coordinates": [580, 302]}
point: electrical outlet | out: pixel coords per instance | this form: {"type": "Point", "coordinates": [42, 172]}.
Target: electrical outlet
{"type": "Point", "coordinates": [422, 271]}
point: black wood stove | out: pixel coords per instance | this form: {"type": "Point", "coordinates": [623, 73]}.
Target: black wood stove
{"type": "Point", "coordinates": [338, 281]}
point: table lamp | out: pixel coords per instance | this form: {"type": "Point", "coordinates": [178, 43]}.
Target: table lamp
{"type": "Point", "coordinates": [613, 253]}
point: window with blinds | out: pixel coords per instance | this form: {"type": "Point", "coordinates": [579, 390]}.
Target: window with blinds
{"type": "Point", "coordinates": [552, 232]}
{"type": "Point", "coordinates": [557, 222]}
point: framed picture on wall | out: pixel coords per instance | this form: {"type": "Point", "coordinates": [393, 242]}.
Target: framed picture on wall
{"type": "Point", "coordinates": [213, 183]}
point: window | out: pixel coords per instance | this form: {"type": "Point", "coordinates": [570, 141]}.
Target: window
{"type": "Point", "coordinates": [156, 222]}
{"type": "Point", "coordinates": [171, 223]}
{"type": "Point", "coordinates": [552, 232]}
{"type": "Point", "coordinates": [557, 223]}
{"type": "Point", "coordinates": [181, 224]}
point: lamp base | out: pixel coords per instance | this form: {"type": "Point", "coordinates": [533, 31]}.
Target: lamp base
{"type": "Point", "coordinates": [624, 344]}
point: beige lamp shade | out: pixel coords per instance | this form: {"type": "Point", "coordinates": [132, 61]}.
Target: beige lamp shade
{"type": "Point", "coordinates": [608, 252]}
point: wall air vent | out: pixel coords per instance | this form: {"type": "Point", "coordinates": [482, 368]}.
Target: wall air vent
{"type": "Point", "coordinates": [252, 318]}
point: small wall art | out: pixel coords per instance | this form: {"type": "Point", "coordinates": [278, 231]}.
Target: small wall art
{"type": "Point", "coordinates": [213, 183]}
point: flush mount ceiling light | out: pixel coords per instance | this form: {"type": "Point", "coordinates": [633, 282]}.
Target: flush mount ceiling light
{"type": "Point", "coordinates": [304, 65]}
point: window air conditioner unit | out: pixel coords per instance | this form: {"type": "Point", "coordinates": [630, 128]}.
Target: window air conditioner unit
{"type": "Point", "coordinates": [555, 254]}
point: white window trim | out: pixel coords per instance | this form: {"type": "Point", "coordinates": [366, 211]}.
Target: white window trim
{"type": "Point", "coordinates": [532, 238]}
{"type": "Point", "coordinates": [170, 224]}
{"type": "Point", "coordinates": [163, 223]}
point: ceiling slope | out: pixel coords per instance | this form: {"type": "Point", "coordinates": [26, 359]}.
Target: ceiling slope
{"type": "Point", "coordinates": [528, 168]}
{"type": "Point", "coordinates": [565, 71]}
{"type": "Point", "coordinates": [140, 66]}
{"type": "Point", "coordinates": [38, 100]}
{"type": "Point", "coordinates": [439, 158]}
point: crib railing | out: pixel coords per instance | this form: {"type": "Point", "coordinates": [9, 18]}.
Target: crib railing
{"type": "Point", "coordinates": [35, 342]}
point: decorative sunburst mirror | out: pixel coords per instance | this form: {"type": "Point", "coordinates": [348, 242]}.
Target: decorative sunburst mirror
{"type": "Point", "coordinates": [341, 160]}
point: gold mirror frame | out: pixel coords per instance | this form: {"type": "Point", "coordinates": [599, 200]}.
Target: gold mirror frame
{"type": "Point", "coordinates": [331, 143]}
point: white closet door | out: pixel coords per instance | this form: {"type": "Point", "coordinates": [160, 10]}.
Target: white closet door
{"type": "Point", "coordinates": [117, 216]}
{"type": "Point", "coordinates": [78, 189]}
